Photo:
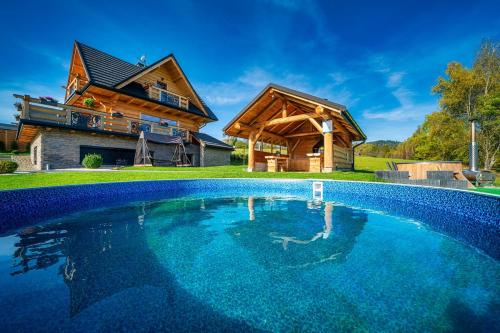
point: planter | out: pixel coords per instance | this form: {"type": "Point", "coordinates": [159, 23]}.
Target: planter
{"type": "Point", "coordinates": [48, 101]}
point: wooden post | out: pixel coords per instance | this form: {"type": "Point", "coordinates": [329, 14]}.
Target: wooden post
{"type": "Point", "coordinates": [251, 210]}
{"type": "Point", "coordinates": [251, 152]}
{"type": "Point", "coordinates": [202, 154]}
{"type": "Point", "coordinates": [328, 146]}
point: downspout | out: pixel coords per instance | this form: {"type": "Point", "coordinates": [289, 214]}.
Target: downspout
{"type": "Point", "coordinates": [353, 147]}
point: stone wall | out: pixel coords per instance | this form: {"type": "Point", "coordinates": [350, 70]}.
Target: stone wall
{"type": "Point", "coordinates": [61, 149]}
{"type": "Point", "coordinates": [35, 152]}
{"type": "Point", "coordinates": [214, 156]}
{"type": "Point", "coordinates": [24, 162]}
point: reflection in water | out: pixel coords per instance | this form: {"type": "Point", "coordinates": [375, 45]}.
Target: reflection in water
{"type": "Point", "coordinates": [97, 255]}
{"type": "Point", "coordinates": [251, 210]}
{"type": "Point", "coordinates": [103, 255]}
{"type": "Point", "coordinates": [325, 233]}
{"type": "Point", "coordinates": [237, 264]}
{"type": "Point", "coordinates": [38, 248]}
{"type": "Point", "coordinates": [338, 228]}
{"type": "Point", "coordinates": [106, 253]}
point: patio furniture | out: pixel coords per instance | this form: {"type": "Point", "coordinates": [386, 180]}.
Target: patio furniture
{"type": "Point", "coordinates": [276, 163]}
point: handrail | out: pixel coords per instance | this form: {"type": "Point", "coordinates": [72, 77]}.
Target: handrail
{"type": "Point", "coordinates": [183, 100]}
{"type": "Point", "coordinates": [50, 110]}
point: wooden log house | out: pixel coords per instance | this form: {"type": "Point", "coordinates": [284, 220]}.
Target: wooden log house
{"type": "Point", "coordinates": [319, 135]}
{"type": "Point", "coordinates": [108, 102]}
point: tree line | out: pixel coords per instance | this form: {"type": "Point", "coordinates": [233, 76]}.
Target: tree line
{"type": "Point", "coordinates": [466, 94]}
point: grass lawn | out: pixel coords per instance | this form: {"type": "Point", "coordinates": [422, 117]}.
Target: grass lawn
{"type": "Point", "coordinates": [129, 174]}
{"type": "Point", "coordinates": [364, 172]}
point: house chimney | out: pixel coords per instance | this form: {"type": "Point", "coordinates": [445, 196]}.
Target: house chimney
{"type": "Point", "coordinates": [473, 149]}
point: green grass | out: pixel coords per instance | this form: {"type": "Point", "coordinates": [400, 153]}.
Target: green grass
{"type": "Point", "coordinates": [364, 172]}
{"type": "Point", "coordinates": [490, 190]}
{"type": "Point", "coordinates": [368, 163]}
{"type": "Point", "coordinates": [157, 173]}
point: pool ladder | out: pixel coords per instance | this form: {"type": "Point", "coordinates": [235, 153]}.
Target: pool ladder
{"type": "Point", "coordinates": [317, 190]}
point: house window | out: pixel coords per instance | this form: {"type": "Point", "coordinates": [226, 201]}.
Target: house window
{"type": "Point", "coordinates": [162, 121]}
{"type": "Point", "coordinates": [35, 153]}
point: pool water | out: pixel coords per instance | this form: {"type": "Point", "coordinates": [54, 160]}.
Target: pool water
{"type": "Point", "coordinates": [243, 264]}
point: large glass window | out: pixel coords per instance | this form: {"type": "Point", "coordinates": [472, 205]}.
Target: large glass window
{"type": "Point", "coordinates": [161, 121]}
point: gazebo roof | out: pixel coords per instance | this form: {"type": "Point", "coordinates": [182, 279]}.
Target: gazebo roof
{"type": "Point", "coordinates": [278, 113]}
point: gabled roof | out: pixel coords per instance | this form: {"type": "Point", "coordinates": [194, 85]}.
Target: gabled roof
{"type": "Point", "coordinates": [339, 108]}
{"type": "Point", "coordinates": [104, 68]}
{"type": "Point", "coordinates": [211, 141]}
{"type": "Point", "coordinates": [110, 72]}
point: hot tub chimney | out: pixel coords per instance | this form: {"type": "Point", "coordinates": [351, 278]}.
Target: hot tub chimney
{"type": "Point", "coordinates": [473, 150]}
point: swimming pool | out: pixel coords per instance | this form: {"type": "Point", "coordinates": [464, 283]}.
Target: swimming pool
{"type": "Point", "coordinates": [248, 255]}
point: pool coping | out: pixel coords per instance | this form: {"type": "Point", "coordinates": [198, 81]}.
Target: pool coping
{"type": "Point", "coordinates": [257, 179]}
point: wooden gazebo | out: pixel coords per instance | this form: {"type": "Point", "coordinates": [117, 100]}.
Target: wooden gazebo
{"type": "Point", "coordinates": [319, 135]}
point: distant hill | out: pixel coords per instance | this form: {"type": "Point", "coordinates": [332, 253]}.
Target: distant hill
{"type": "Point", "coordinates": [384, 142]}
{"type": "Point", "coordinates": [379, 148]}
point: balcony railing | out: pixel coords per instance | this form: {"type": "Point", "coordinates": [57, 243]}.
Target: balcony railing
{"type": "Point", "coordinates": [75, 84]}
{"type": "Point", "coordinates": [62, 114]}
{"type": "Point", "coordinates": [168, 97]}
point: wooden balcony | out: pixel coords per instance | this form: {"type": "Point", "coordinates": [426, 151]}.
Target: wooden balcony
{"type": "Point", "coordinates": [82, 118]}
{"type": "Point", "coordinates": [168, 97]}
{"type": "Point", "coordinates": [75, 85]}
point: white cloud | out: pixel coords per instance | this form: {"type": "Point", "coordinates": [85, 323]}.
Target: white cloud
{"type": "Point", "coordinates": [245, 87]}
{"type": "Point", "coordinates": [394, 79]}
{"type": "Point", "coordinates": [378, 63]}
{"type": "Point", "coordinates": [338, 78]}
{"type": "Point", "coordinates": [402, 113]}
{"type": "Point", "coordinates": [407, 109]}
{"type": "Point", "coordinates": [49, 55]}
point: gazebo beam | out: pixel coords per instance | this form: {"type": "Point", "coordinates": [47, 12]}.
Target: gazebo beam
{"type": "Point", "coordinates": [286, 126]}
{"type": "Point", "coordinates": [296, 135]}
{"type": "Point", "coordinates": [264, 110]}
{"type": "Point", "coordinates": [273, 136]}
{"type": "Point", "coordinates": [289, 119]}
{"type": "Point", "coordinates": [312, 104]}
{"type": "Point", "coordinates": [315, 124]}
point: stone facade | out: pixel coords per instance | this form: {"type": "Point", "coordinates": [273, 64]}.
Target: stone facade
{"type": "Point", "coordinates": [23, 162]}
{"type": "Point", "coordinates": [61, 149]}
{"type": "Point", "coordinates": [214, 156]}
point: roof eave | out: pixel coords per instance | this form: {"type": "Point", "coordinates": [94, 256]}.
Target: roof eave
{"type": "Point", "coordinates": [91, 83]}
{"type": "Point", "coordinates": [341, 108]}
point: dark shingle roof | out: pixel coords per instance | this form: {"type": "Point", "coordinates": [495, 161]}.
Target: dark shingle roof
{"type": "Point", "coordinates": [11, 127]}
{"type": "Point", "coordinates": [108, 71]}
{"type": "Point", "coordinates": [310, 97]}
{"type": "Point", "coordinates": [211, 141]}
{"type": "Point", "coordinates": [103, 68]}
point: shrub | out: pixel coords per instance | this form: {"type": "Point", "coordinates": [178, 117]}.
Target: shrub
{"type": "Point", "coordinates": [8, 166]}
{"type": "Point", "coordinates": [89, 102]}
{"type": "Point", "coordinates": [92, 161]}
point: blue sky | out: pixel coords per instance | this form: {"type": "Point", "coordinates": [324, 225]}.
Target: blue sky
{"type": "Point", "coordinates": [379, 58]}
